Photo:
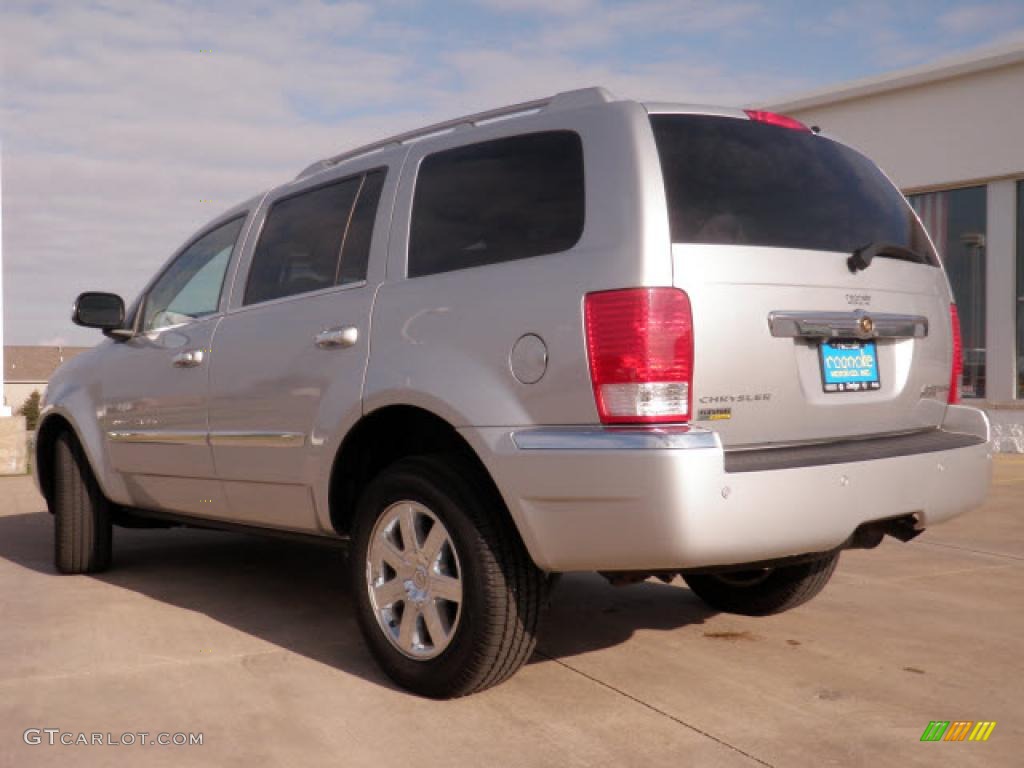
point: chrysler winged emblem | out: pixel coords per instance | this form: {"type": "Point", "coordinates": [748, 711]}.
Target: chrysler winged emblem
{"type": "Point", "coordinates": [866, 325]}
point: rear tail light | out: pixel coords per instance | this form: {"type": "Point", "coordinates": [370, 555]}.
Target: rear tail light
{"type": "Point", "coordinates": [640, 345]}
{"type": "Point", "coordinates": [956, 369]}
{"type": "Point", "coordinates": [783, 121]}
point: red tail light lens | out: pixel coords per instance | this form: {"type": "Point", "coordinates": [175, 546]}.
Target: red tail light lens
{"type": "Point", "coordinates": [956, 370]}
{"type": "Point", "coordinates": [640, 344]}
{"type": "Point", "coordinates": [772, 118]}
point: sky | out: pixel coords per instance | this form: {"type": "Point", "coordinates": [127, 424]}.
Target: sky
{"type": "Point", "coordinates": [125, 125]}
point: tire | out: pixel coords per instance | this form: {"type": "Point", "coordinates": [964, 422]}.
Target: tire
{"type": "Point", "coordinates": [764, 592]}
{"type": "Point", "coordinates": [82, 527]}
{"type": "Point", "coordinates": [485, 636]}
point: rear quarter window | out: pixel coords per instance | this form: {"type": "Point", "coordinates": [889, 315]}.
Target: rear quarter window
{"type": "Point", "coordinates": [741, 182]}
{"type": "Point", "coordinates": [496, 201]}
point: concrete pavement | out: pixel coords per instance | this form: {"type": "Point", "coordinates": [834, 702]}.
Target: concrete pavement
{"type": "Point", "coordinates": [253, 643]}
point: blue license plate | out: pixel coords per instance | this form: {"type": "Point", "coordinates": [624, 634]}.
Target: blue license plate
{"type": "Point", "coordinates": [849, 366]}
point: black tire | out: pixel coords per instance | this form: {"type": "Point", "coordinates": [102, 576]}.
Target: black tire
{"type": "Point", "coordinates": [82, 528]}
{"type": "Point", "coordinates": [503, 591]}
{"type": "Point", "coordinates": [764, 592]}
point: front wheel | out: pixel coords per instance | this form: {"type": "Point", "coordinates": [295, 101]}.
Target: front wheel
{"type": "Point", "coordinates": [82, 528]}
{"type": "Point", "coordinates": [763, 591]}
{"type": "Point", "coordinates": [447, 597]}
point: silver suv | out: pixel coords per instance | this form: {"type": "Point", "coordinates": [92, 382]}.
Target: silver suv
{"type": "Point", "coordinates": [580, 333]}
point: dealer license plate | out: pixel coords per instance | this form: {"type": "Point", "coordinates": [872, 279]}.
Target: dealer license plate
{"type": "Point", "coordinates": [849, 366]}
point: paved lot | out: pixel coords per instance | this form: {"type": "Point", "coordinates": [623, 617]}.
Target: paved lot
{"type": "Point", "coordinates": [253, 643]}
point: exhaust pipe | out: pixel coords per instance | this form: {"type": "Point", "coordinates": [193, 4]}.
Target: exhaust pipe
{"type": "Point", "coordinates": [870, 535]}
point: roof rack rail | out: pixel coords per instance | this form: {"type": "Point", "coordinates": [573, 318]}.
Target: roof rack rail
{"type": "Point", "coordinates": [565, 100]}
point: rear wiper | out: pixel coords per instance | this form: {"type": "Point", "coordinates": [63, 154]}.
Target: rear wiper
{"type": "Point", "coordinates": [861, 257]}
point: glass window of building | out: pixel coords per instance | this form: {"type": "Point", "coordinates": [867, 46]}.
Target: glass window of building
{"type": "Point", "coordinates": [956, 219]}
{"type": "Point", "coordinates": [1020, 289]}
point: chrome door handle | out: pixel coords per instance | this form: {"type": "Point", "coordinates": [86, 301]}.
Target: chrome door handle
{"type": "Point", "coordinates": [337, 338]}
{"type": "Point", "coordinates": [190, 359]}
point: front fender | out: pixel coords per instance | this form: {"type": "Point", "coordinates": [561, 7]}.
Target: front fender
{"type": "Point", "coordinates": [74, 406]}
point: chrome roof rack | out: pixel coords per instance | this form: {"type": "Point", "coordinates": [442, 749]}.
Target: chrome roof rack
{"type": "Point", "coordinates": [566, 100]}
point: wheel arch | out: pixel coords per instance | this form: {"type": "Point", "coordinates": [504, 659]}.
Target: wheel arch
{"type": "Point", "coordinates": [52, 423]}
{"type": "Point", "coordinates": [381, 438]}
{"type": "Point", "coordinates": [47, 433]}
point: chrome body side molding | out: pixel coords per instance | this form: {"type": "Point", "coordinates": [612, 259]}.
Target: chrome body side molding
{"type": "Point", "coordinates": [269, 439]}
{"type": "Point", "coordinates": [157, 437]}
{"type": "Point", "coordinates": [234, 439]}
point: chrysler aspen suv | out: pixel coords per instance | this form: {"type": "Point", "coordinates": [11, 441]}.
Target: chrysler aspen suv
{"type": "Point", "coordinates": [576, 334]}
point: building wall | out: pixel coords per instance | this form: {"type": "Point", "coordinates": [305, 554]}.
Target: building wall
{"type": "Point", "coordinates": [30, 367]}
{"type": "Point", "coordinates": [17, 392]}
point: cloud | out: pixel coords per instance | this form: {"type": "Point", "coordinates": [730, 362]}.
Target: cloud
{"type": "Point", "coordinates": [983, 17]}
{"type": "Point", "coordinates": [514, 77]}
{"type": "Point", "coordinates": [119, 117]}
{"type": "Point", "coordinates": [115, 127]}
{"type": "Point", "coordinates": [560, 8]}
{"type": "Point", "coordinates": [587, 23]}
{"type": "Point", "coordinates": [896, 36]}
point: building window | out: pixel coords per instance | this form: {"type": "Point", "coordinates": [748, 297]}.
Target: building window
{"type": "Point", "coordinates": [955, 219]}
{"type": "Point", "coordinates": [1020, 289]}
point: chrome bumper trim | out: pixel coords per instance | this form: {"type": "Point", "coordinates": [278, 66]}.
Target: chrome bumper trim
{"type": "Point", "coordinates": [847, 325]}
{"type": "Point", "coordinates": [614, 439]}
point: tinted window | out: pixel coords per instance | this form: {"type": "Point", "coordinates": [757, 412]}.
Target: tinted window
{"type": "Point", "coordinates": [743, 182]}
{"type": "Point", "coordinates": [497, 201]}
{"type": "Point", "coordinates": [192, 284]}
{"type": "Point", "coordinates": [355, 253]}
{"type": "Point", "coordinates": [301, 241]}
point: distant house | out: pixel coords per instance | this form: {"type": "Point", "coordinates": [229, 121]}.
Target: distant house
{"type": "Point", "coordinates": [27, 369]}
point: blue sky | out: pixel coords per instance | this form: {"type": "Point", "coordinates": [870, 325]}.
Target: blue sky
{"type": "Point", "coordinates": [118, 118]}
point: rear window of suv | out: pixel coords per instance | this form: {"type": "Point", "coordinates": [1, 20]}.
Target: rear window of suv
{"type": "Point", "coordinates": [742, 182]}
{"type": "Point", "coordinates": [496, 201]}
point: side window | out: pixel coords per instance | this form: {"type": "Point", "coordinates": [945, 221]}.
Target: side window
{"type": "Point", "coordinates": [192, 284]}
{"type": "Point", "coordinates": [355, 253]}
{"type": "Point", "coordinates": [315, 239]}
{"type": "Point", "coordinates": [497, 201]}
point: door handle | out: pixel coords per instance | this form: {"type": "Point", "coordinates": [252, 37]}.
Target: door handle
{"type": "Point", "coordinates": [189, 359]}
{"type": "Point", "coordinates": [337, 338]}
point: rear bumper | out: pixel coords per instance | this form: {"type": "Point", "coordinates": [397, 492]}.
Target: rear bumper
{"type": "Point", "coordinates": [593, 499]}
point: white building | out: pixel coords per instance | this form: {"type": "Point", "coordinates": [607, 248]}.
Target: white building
{"type": "Point", "coordinates": [951, 136]}
{"type": "Point", "coordinates": [28, 369]}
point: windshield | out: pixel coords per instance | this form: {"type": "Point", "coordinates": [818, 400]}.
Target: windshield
{"type": "Point", "coordinates": [742, 182]}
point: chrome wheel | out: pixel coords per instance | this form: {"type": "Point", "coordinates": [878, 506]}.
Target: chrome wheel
{"type": "Point", "coordinates": [414, 580]}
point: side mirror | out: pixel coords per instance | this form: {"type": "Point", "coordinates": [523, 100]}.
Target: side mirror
{"type": "Point", "coordinates": [98, 310]}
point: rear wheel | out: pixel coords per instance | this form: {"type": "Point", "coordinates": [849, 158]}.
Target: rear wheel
{"type": "Point", "coordinates": [82, 529]}
{"type": "Point", "coordinates": [763, 591]}
{"type": "Point", "coordinates": [447, 596]}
